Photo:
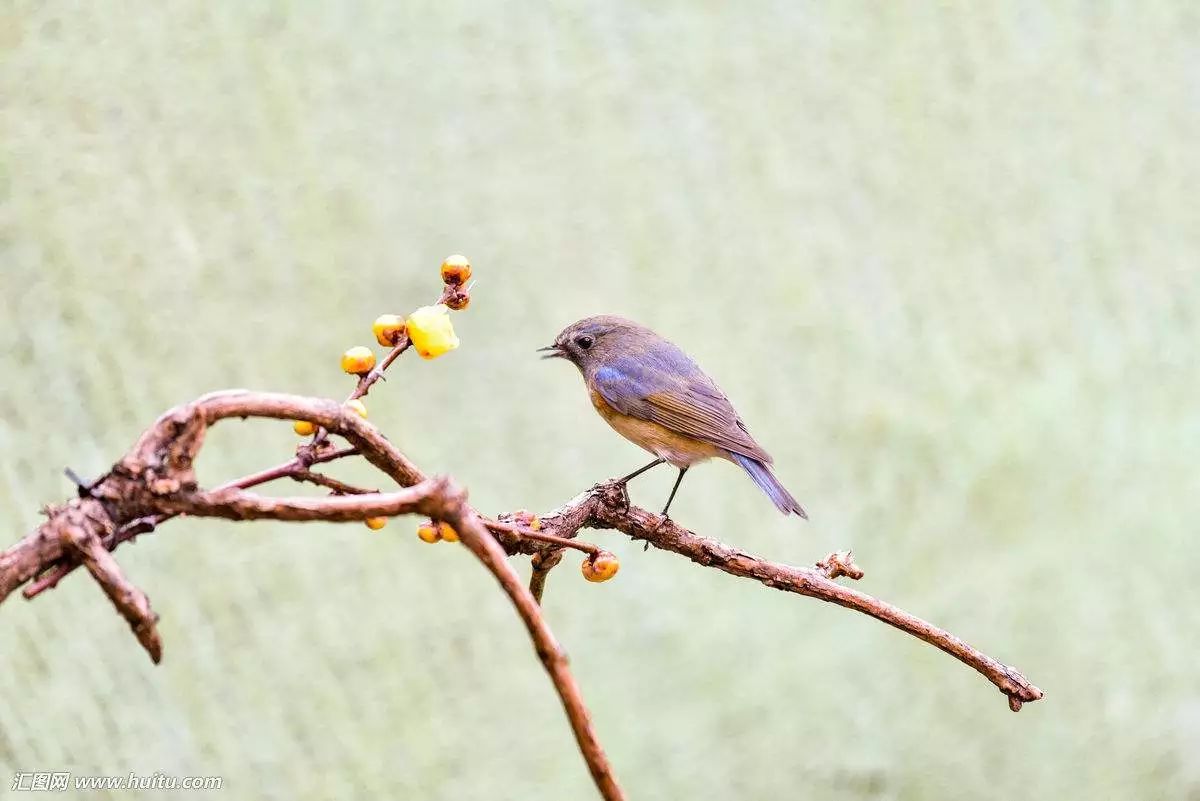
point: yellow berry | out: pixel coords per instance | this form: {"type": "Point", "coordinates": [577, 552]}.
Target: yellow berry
{"type": "Point", "coordinates": [358, 407]}
{"type": "Point", "coordinates": [456, 269]}
{"type": "Point", "coordinates": [448, 533]}
{"type": "Point", "coordinates": [431, 331]}
{"type": "Point", "coordinates": [358, 360]}
{"type": "Point", "coordinates": [388, 329]}
{"type": "Point", "coordinates": [304, 428]}
{"type": "Point", "coordinates": [428, 533]}
{"type": "Point", "coordinates": [376, 523]}
{"type": "Point", "coordinates": [600, 567]}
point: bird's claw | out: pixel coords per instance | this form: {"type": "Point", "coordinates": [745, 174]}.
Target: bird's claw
{"type": "Point", "coordinates": [623, 501]}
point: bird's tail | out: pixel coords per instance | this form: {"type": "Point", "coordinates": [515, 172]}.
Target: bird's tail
{"type": "Point", "coordinates": [767, 482]}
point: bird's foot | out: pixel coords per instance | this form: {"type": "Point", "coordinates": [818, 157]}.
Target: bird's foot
{"type": "Point", "coordinates": [614, 493]}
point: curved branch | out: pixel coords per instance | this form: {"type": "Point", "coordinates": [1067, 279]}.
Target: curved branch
{"type": "Point", "coordinates": [476, 537]}
{"type": "Point", "coordinates": [426, 498]}
{"type": "Point", "coordinates": [156, 480]}
{"type": "Point", "coordinates": [605, 506]}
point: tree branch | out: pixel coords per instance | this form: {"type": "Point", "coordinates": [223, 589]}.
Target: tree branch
{"type": "Point", "coordinates": [476, 537]}
{"type": "Point", "coordinates": [605, 506]}
{"type": "Point", "coordinates": [426, 498]}
{"type": "Point", "coordinates": [155, 482]}
{"type": "Point", "coordinates": [131, 602]}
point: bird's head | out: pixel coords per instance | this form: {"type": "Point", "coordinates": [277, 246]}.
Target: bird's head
{"type": "Point", "coordinates": [593, 339]}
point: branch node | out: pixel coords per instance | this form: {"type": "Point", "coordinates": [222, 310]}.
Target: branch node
{"type": "Point", "coordinates": [82, 488]}
{"type": "Point", "coordinates": [840, 563]}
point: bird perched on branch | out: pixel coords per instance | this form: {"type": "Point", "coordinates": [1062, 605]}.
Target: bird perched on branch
{"type": "Point", "coordinates": [656, 397]}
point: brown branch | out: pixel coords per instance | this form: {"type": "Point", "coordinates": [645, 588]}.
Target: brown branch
{"type": "Point", "coordinates": [156, 481]}
{"type": "Point", "coordinates": [131, 602]}
{"type": "Point", "coordinates": [308, 455]}
{"type": "Point", "coordinates": [426, 498]}
{"type": "Point", "coordinates": [605, 506]}
{"type": "Point", "coordinates": [476, 537]}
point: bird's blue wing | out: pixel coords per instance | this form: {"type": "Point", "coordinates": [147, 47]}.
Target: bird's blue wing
{"type": "Point", "coordinates": [626, 383]}
{"type": "Point", "coordinates": [666, 387]}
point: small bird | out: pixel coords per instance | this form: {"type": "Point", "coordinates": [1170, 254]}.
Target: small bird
{"type": "Point", "coordinates": [656, 397]}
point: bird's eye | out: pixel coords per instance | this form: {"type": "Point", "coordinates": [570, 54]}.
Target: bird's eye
{"type": "Point", "coordinates": [585, 341]}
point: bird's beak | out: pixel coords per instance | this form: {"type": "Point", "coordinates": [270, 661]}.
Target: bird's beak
{"type": "Point", "coordinates": [552, 352]}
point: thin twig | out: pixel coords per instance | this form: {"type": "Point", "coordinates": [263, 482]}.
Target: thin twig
{"type": "Point", "coordinates": [367, 381]}
{"type": "Point", "coordinates": [525, 533]}
{"type": "Point", "coordinates": [329, 482]}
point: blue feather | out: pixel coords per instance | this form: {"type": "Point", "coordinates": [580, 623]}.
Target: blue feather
{"type": "Point", "coordinates": [623, 382]}
{"type": "Point", "coordinates": [766, 481]}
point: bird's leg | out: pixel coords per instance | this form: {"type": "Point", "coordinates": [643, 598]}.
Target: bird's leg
{"type": "Point", "coordinates": [638, 472]}
{"type": "Point", "coordinates": [621, 482]}
{"type": "Point", "coordinates": [675, 489]}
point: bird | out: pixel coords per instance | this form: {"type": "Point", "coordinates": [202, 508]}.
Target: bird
{"type": "Point", "coordinates": [655, 396]}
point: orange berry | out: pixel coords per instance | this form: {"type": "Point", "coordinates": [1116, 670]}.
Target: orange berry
{"type": "Point", "coordinates": [376, 523]}
{"type": "Point", "coordinates": [428, 533]}
{"type": "Point", "coordinates": [304, 428]}
{"type": "Point", "coordinates": [456, 269]}
{"type": "Point", "coordinates": [388, 329]}
{"type": "Point", "coordinates": [600, 567]}
{"type": "Point", "coordinates": [358, 407]}
{"type": "Point", "coordinates": [448, 533]}
{"type": "Point", "coordinates": [359, 360]}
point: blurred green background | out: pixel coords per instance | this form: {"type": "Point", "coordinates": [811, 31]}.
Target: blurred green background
{"type": "Point", "coordinates": [943, 258]}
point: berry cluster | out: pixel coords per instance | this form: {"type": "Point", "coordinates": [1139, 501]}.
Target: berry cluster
{"type": "Point", "coordinates": [428, 330]}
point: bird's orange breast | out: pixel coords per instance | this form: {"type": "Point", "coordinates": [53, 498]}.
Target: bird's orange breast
{"type": "Point", "coordinates": [678, 449]}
